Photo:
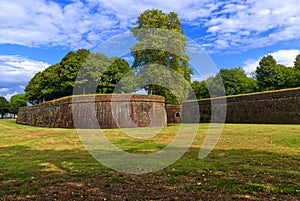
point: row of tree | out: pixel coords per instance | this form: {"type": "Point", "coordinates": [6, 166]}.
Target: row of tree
{"type": "Point", "coordinates": [12, 107]}
{"type": "Point", "coordinates": [158, 53]}
{"type": "Point", "coordinates": [160, 43]}
{"type": "Point", "coordinates": [268, 76]}
{"type": "Point", "coordinates": [58, 80]}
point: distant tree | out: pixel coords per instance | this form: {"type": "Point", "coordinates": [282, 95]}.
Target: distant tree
{"type": "Point", "coordinates": [297, 62]}
{"type": "Point", "coordinates": [236, 81]}
{"type": "Point", "coordinates": [4, 106]}
{"type": "Point", "coordinates": [266, 73]}
{"type": "Point", "coordinates": [17, 101]}
{"type": "Point", "coordinates": [290, 77]}
{"type": "Point", "coordinates": [284, 77]}
{"type": "Point", "coordinates": [296, 72]}
{"type": "Point", "coordinates": [271, 75]}
{"type": "Point", "coordinates": [151, 45]}
{"type": "Point", "coordinates": [51, 83]}
{"type": "Point", "coordinates": [200, 89]}
{"type": "Point", "coordinates": [68, 70]}
{"type": "Point", "coordinates": [112, 75]}
{"type": "Point", "coordinates": [90, 73]}
{"type": "Point", "coordinates": [33, 90]}
{"type": "Point", "coordinates": [101, 74]}
{"type": "Point", "coordinates": [98, 73]}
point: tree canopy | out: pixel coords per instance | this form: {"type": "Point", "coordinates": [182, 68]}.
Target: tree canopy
{"type": "Point", "coordinates": [296, 71]}
{"type": "Point", "coordinates": [58, 80]}
{"type": "Point", "coordinates": [161, 43]}
{"type": "Point", "coordinates": [17, 101]}
{"type": "Point", "coordinates": [158, 53]}
{"type": "Point", "coordinates": [4, 106]}
{"type": "Point", "coordinates": [269, 75]}
{"type": "Point", "coordinates": [235, 81]}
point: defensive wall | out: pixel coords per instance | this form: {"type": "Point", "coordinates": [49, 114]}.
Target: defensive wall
{"type": "Point", "coordinates": [93, 111]}
{"type": "Point", "coordinates": [173, 113]}
{"type": "Point", "coordinates": [272, 107]}
{"type": "Point", "coordinates": [112, 111]}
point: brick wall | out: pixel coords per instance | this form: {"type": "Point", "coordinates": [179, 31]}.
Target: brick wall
{"type": "Point", "coordinates": [173, 114]}
{"type": "Point", "coordinates": [91, 111]}
{"type": "Point", "coordinates": [281, 106]}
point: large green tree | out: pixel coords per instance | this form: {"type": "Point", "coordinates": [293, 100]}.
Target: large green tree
{"type": "Point", "coordinates": [271, 76]}
{"type": "Point", "coordinates": [200, 89]}
{"type": "Point", "coordinates": [17, 101]}
{"type": "Point", "coordinates": [101, 74]}
{"type": "Point", "coordinates": [296, 72]}
{"type": "Point", "coordinates": [117, 69]}
{"type": "Point", "coordinates": [234, 80]}
{"type": "Point", "coordinates": [161, 43]}
{"type": "Point", "coordinates": [4, 106]}
{"type": "Point", "coordinates": [265, 73]}
{"type": "Point", "coordinates": [68, 70]}
{"type": "Point", "coordinates": [297, 62]}
{"type": "Point", "coordinates": [33, 90]}
{"type": "Point", "coordinates": [98, 73]}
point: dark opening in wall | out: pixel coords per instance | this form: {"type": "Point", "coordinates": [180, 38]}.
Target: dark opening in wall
{"type": "Point", "coordinates": [177, 114]}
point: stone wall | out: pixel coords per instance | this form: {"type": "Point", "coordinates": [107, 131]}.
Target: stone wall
{"type": "Point", "coordinates": [92, 111]}
{"type": "Point", "coordinates": [278, 107]}
{"type": "Point", "coordinates": [173, 114]}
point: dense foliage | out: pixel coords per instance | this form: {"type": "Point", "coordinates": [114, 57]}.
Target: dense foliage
{"type": "Point", "coordinates": [268, 76]}
{"type": "Point", "coordinates": [17, 101]}
{"type": "Point", "coordinates": [4, 106]}
{"type": "Point", "coordinates": [98, 73]}
{"type": "Point", "coordinates": [161, 44]}
{"type": "Point", "coordinates": [12, 107]}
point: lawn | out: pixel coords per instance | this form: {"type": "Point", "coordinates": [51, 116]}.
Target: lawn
{"type": "Point", "coordinates": [249, 162]}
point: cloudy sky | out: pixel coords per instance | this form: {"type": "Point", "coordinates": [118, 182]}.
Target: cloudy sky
{"type": "Point", "coordinates": [235, 33]}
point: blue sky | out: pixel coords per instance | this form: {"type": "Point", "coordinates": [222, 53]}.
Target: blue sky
{"type": "Point", "coordinates": [235, 33]}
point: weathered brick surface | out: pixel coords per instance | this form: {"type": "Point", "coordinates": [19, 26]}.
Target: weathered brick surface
{"type": "Point", "coordinates": [282, 106]}
{"type": "Point", "coordinates": [94, 111]}
{"type": "Point", "coordinates": [173, 114]}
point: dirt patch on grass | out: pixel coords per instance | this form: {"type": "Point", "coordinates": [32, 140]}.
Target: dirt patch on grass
{"type": "Point", "coordinates": [111, 185]}
{"type": "Point", "coordinates": [35, 135]}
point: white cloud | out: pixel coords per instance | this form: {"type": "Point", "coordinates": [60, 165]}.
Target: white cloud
{"type": "Point", "coordinates": [4, 90]}
{"type": "Point", "coordinates": [252, 24]}
{"type": "Point", "coordinates": [231, 24]}
{"type": "Point", "coordinates": [285, 57]}
{"type": "Point", "coordinates": [234, 24]}
{"type": "Point", "coordinates": [36, 22]}
{"type": "Point", "coordinates": [9, 95]}
{"type": "Point", "coordinates": [16, 71]}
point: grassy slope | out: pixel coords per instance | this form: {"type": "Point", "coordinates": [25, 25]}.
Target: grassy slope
{"type": "Point", "coordinates": [249, 160]}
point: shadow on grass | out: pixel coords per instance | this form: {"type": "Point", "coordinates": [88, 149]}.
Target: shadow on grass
{"type": "Point", "coordinates": [68, 174]}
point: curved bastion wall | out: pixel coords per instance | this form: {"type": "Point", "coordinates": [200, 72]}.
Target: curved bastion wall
{"type": "Point", "coordinates": [97, 111]}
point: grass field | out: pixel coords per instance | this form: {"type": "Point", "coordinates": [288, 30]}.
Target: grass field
{"type": "Point", "coordinates": [250, 162]}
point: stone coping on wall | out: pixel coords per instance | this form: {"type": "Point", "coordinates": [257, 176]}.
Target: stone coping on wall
{"type": "Point", "coordinates": [278, 106]}
{"type": "Point", "coordinates": [272, 94]}
{"type": "Point", "coordinates": [98, 98]}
